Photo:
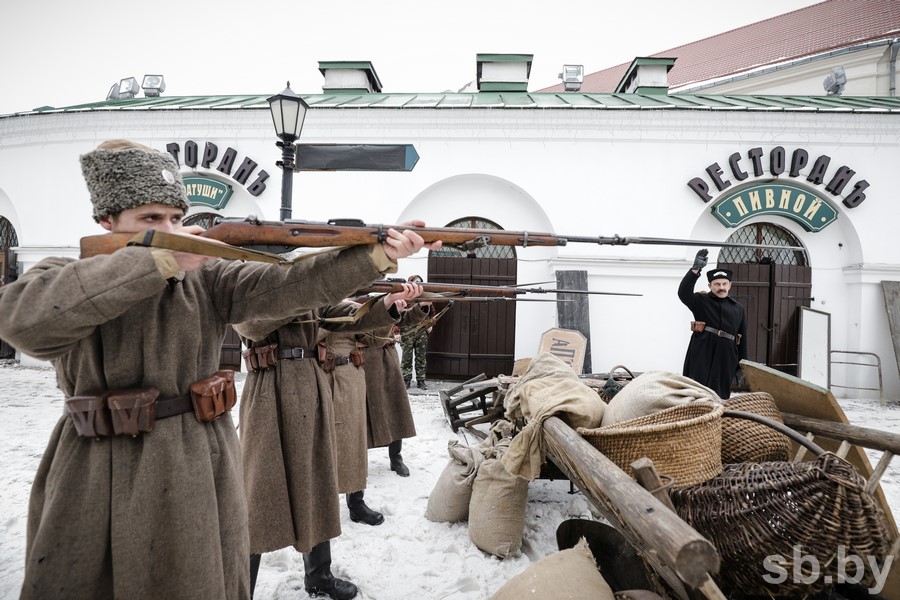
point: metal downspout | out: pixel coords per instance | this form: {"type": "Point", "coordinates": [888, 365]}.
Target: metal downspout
{"type": "Point", "coordinates": [895, 46]}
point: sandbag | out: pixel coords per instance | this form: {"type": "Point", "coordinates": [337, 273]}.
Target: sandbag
{"type": "Point", "coordinates": [571, 574]}
{"type": "Point", "coordinates": [651, 392]}
{"type": "Point", "coordinates": [449, 500]}
{"type": "Point", "coordinates": [497, 509]}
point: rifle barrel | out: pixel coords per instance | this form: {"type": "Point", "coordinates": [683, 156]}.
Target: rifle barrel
{"type": "Point", "coordinates": [617, 240]}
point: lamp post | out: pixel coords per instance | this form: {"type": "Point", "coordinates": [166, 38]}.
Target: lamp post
{"type": "Point", "coordinates": [288, 112]}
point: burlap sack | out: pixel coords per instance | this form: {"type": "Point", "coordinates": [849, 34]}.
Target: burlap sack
{"type": "Point", "coordinates": [549, 388]}
{"type": "Point", "coordinates": [653, 391]}
{"type": "Point", "coordinates": [497, 510]}
{"type": "Point", "coordinates": [449, 500]}
{"type": "Point", "coordinates": [571, 574]}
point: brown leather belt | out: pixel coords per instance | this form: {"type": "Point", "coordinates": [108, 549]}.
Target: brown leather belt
{"type": "Point", "coordinates": [294, 353]}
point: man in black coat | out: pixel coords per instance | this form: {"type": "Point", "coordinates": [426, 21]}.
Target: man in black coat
{"type": "Point", "coordinates": [719, 326]}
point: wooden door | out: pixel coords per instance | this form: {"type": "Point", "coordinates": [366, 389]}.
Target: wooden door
{"type": "Point", "coordinates": [473, 337]}
{"type": "Point", "coordinates": [771, 295]}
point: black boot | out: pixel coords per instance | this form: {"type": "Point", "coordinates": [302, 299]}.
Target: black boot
{"type": "Point", "coordinates": [396, 460]}
{"type": "Point", "coordinates": [422, 385]}
{"type": "Point", "coordinates": [254, 571]}
{"type": "Point", "coordinates": [360, 512]}
{"type": "Point", "coordinates": [319, 581]}
{"type": "Point", "coordinates": [407, 381]}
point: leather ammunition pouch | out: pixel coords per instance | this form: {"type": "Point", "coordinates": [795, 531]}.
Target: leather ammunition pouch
{"type": "Point", "coordinates": [698, 326]}
{"type": "Point", "coordinates": [214, 396]}
{"type": "Point", "coordinates": [132, 411]}
{"type": "Point", "coordinates": [118, 412]}
{"type": "Point", "coordinates": [325, 357]}
{"type": "Point", "coordinates": [358, 357]}
{"type": "Point", "coordinates": [90, 415]}
{"type": "Point", "coordinates": [257, 358]}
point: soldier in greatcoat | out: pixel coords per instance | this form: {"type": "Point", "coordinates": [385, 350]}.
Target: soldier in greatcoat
{"type": "Point", "coordinates": [718, 341]}
{"type": "Point", "coordinates": [160, 513]}
{"type": "Point", "coordinates": [387, 403]}
{"type": "Point", "coordinates": [287, 422]}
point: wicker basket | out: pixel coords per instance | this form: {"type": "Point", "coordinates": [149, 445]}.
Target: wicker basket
{"type": "Point", "coordinates": [746, 441]}
{"type": "Point", "coordinates": [684, 442]}
{"type": "Point", "coordinates": [756, 513]}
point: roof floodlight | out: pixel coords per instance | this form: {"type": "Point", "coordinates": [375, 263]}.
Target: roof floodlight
{"type": "Point", "coordinates": [153, 85]}
{"type": "Point", "coordinates": [572, 77]}
{"type": "Point", "coordinates": [113, 93]}
{"type": "Point", "coordinates": [128, 88]}
{"type": "Point", "coordinates": [835, 81]}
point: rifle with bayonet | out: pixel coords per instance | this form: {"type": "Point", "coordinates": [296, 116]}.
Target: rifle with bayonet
{"type": "Point", "coordinates": [254, 239]}
{"type": "Point", "coordinates": [455, 290]}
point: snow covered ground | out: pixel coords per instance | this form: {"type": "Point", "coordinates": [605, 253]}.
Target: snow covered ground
{"type": "Point", "coordinates": [405, 558]}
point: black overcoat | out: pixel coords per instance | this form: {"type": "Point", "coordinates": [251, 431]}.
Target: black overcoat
{"type": "Point", "coordinates": [710, 359]}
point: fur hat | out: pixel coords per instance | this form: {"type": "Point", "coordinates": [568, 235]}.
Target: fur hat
{"type": "Point", "coordinates": [719, 274]}
{"type": "Point", "coordinates": [121, 174]}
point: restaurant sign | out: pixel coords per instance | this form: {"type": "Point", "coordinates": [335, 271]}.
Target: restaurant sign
{"type": "Point", "coordinates": [206, 191]}
{"type": "Point", "coordinates": [782, 199]}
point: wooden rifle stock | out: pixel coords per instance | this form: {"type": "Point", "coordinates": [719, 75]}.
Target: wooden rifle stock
{"type": "Point", "coordinates": [282, 236]}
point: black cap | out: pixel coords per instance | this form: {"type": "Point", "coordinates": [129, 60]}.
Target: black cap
{"type": "Point", "coordinates": [720, 274]}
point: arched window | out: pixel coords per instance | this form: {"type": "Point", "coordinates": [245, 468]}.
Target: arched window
{"type": "Point", "coordinates": [489, 251]}
{"type": "Point", "coordinates": [8, 237]}
{"type": "Point", "coordinates": [204, 220]}
{"type": "Point", "coordinates": [770, 235]}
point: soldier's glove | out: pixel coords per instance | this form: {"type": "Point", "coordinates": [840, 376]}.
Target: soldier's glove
{"type": "Point", "coordinates": [701, 259]}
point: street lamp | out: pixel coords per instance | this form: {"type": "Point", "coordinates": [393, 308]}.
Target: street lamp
{"type": "Point", "coordinates": [288, 111]}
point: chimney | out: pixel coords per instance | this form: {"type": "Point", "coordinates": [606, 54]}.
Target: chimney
{"type": "Point", "coordinates": [349, 77]}
{"type": "Point", "coordinates": [503, 72]}
{"type": "Point", "coordinates": [646, 76]}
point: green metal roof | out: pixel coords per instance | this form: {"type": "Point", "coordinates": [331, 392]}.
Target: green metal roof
{"type": "Point", "coordinates": [503, 100]}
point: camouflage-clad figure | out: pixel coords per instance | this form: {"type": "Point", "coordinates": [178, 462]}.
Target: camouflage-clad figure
{"type": "Point", "coordinates": [414, 343]}
{"type": "Point", "coordinates": [414, 346]}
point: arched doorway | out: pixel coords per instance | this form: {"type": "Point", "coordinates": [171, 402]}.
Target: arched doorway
{"type": "Point", "coordinates": [8, 269]}
{"type": "Point", "coordinates": [230, 355]}
{"type": "Point", "coordinates": [473, 337]}
{"type": "Point", "coordinates": [772, 285]}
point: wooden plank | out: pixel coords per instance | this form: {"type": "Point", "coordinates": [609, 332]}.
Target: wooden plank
{"type": "Point", "coordinates": [575, 314]}
{"type": "Point", "coordinates": [891, 291]}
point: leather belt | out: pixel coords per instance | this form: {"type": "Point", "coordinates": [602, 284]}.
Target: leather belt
{"type": "Point", "coordinates": [167, 407]}
{"type": "Point", "coordinates": [170, 407]}
{"type": "Point", "coordinates": [719, 333]}
{"type": "Point", "coordinates": [294, 353]}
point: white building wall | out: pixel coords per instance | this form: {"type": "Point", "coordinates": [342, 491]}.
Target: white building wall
{"type": "Point", "coordinates": [566, 171]}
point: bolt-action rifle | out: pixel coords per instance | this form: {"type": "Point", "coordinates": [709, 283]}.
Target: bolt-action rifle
{"type": "Point", "coordinates": [455, 290]}
{"type": "Point", "coordinates": [253, 239]}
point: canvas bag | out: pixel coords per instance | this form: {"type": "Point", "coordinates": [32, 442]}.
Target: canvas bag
{"type": "Point", "coordinates": [449, 500]}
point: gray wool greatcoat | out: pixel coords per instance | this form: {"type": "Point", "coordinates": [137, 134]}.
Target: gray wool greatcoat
{"type": "Point", "coordinates": [348, 388]}
{"type": "Point", "coordinates": [287, 427]}
{"type": "Point", "coordinates": [161, 515]}
{"type": "Point", "coordinates": [387, 403]}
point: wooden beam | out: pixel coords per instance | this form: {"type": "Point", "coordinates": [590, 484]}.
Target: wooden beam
{"type": "Point", "coordinates": [633, 510]}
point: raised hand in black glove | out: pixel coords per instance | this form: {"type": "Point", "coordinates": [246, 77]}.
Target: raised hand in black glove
{"type": "Point", "coordinates": [701, 259]}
